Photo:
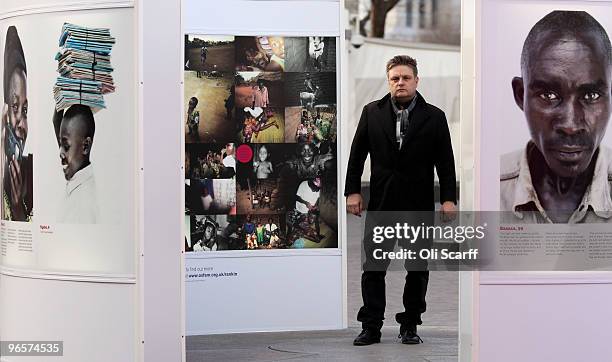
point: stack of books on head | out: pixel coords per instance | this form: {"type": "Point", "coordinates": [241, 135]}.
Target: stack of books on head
{"type": "Point", "coordinates": [84, 67]}
{"type": "Point", "coordinates": [68, 91]}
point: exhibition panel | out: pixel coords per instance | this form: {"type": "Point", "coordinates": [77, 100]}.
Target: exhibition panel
{"type": "Point", "coordinates": [69, 146]}
{"type": "Point", "coordinates": [261, 119]}
{"type": "Point", "coordinates": [69, 170]}
{"type": "Point", "coordinates": [544, 143]}
{"type": "Point", "coordinates": [542, 86]}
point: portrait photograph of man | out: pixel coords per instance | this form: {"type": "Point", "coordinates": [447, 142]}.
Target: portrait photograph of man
{"type": "Point", "coordinates": [555, 164]}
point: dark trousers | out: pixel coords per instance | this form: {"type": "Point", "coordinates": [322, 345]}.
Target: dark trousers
{"type": "Point", "coordinates": [372, 312]}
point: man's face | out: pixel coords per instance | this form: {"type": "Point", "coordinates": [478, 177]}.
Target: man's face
{"type": "Point", "coordinates": [565, 95]}
{"type": "Point", "coordinates": [74, 147]}
{"type": "Point", "coordinates": [307, 154]}
{"type": "Point", "coordinates": [18, 105]}
{"type": "Point", "coordinates": [402, 82]}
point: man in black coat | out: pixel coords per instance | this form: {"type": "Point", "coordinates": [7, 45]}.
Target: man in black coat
{"type": "Point", "coordinates": [406, 138]}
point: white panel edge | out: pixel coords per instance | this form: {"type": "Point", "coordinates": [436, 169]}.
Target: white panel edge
{"type": "Point", "coordinates": [66, 6]}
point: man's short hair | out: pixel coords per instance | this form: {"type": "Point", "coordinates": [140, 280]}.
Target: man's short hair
{"type": "Point", "coordinates": [85, 115]}
{"type": "Point", "coordinates": [14, 59]}
{"type": "Point", "coordinates": [403, 60]}
{"type": "Point", "coordinates": [565, 23]}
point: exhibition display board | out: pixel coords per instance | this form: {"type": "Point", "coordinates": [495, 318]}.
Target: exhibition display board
{"type": "Point", "coordinates": [262, 105]}
{"type": "Point", "coordinates": [69, 131]}
{"type": "Point", "coordinates": [83, 119]}
{"type": "Point", "coordinates": [544, 139]}
{"type": "Point", "coordinates": [542, 95]}
{"type": "Point", "coordinates": [69, 168]}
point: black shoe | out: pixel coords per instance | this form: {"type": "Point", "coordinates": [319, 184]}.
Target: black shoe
{"type": "Point", "coordinates": [409, 335]}
{"type": "Point", "coordinates": [367, 337]}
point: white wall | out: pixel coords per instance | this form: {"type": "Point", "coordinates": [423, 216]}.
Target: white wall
{"type": "Point", "coordinates": [554, 322]}
{"type": "Point", "coordinates": [96, 321]}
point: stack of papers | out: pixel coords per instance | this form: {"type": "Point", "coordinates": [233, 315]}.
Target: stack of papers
{"type": "Point", "coordinates": [68, 91]}
{"type": "Point", "coordinates": [84, 67]}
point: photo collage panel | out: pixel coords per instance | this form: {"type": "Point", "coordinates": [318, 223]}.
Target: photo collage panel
{"type": "Point", "coordinates": [260, 142]}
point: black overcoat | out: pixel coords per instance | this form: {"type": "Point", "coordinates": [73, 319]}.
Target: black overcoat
{"type": "Point", "coordinates": [402, 179]}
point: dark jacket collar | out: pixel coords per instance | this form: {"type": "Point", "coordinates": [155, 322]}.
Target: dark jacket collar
{"type": "Point", "coordinates": [387, 98]}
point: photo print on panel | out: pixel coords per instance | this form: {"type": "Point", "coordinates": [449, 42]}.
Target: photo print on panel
{"type": "Point", "coordinates": [260, 132]}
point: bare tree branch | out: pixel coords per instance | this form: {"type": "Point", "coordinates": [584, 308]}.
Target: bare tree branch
{"type": "Point", "coordinates": [390, 4]}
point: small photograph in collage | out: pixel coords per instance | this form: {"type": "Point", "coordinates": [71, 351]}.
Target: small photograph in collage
{"type": "Point", "coordinates": [257, 180]}
{"type": "Point", "coordinates": [215, 232]}
{"type": "Point", "coordinates": [208, 82]}
{"type": "Point", "coordinates": [316, 126]}
{"type": "Point", "coordinates": [263, 231]}
{"type": "Point", "coordinates": [259, 89]}
{"type": "Point", "coordinates": [310, 54]}
{"type": "Point", "coordinates": [261, 125]}
{"type": "Point", "coordinates": [304, 220]}
{"type": "Point", "coordinates": [260, 53]}
{"type": "Point", "coordinates": [209, 197]}
{"type": "Point", "coordinates": [309, 90]}
{"type": "Point", "coordinates": [209, 53]}
{"type": "Point", "coordinates": [210, 161]}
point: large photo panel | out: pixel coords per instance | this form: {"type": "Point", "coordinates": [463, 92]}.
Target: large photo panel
{"type": "Point", "coordinates": [69, 142]}
{"type": "Point", "coordinates": [546, 78]}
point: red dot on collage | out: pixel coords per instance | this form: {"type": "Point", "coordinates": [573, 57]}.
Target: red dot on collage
{"type": "Point", "coordinates": [244, 153]}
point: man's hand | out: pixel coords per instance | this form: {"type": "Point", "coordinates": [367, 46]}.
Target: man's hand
{"type": "Point", "coordinates": [448, 211]}
{"type": "Point", "coordinates": [354, 204]}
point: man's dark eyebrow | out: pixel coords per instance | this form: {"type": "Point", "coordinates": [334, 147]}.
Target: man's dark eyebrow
{"type": "Point", "coordinates": [598, 85]}
{"type": "Point", "coordinates": [543, 84]}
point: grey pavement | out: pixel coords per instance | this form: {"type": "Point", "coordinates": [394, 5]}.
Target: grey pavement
{"type": "Point", "coordinates": [439, 329]}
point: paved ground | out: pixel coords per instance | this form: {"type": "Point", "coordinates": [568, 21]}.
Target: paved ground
{"type": "Point", "coordinates": [440, 346]}
{"type": "Point", "coordinates": [439, 330]}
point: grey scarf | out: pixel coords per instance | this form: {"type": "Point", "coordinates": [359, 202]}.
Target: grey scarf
{"type": "Point", "coordinates": [403, 116]}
